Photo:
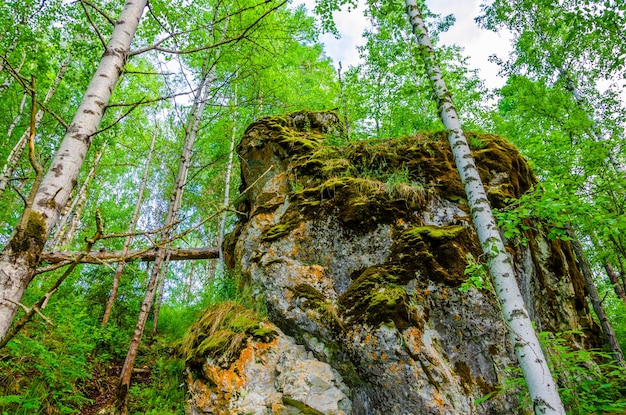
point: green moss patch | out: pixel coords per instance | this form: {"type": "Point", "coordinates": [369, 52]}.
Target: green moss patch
{"type": "Point", "coordinates": [31, 240]}
{"type": "Point", "coordinates": [439, 253]}
{"type": "Point", "coordinates": [376, 297]}
{"type": "Point", "coordinates": [302, 408]}
{"type": "Point", "coordinates": [433, 232]}
{"type": "Point", "coordinates": [222, 332]}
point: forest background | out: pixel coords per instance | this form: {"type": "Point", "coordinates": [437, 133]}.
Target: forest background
{"type": "Point", "coordinates": [161, 172]}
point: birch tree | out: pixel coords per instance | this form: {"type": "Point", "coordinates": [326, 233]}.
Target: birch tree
{"type": "Point", "coordinates": [21, 255]}
{"type": "Point", "coordinates": [541, 385]}
{"type": "Point", "coordinates": [161, 259]}
{"type": "Point", "coordinates": [131, 227]}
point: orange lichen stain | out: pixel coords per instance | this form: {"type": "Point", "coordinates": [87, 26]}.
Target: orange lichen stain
{"type": "Point", "coordinates": [278, 408]}
{"type": "Point", "coordinates": [370, 340]}
{"type": "Point", "coordinates": [300, 232]}
{"type": "Point", "coordinates": [231, 380]}
{"type": "Point", "coordinates": [264, 220]}
{"type": "Point", "coordinates": [294, 252]}
{"type": "Point", "coordinates": [383, 356]}
{"type": "Point", "coordinates": [437, 401]}
{"type": "Point", "coordinates": [226, 379]}
{"type": "Point", "coordinates": [413, 338]}
{"type": "Point", "coordinates": [202, 397]}
{"type": "Point", "coordinates": [394, 368]}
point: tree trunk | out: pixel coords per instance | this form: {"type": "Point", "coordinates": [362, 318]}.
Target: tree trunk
{"type": "Point", "coordinates": [229, 169]}
{"type": "Point", "coordinates": [16, 153]}
{"type": "Point", "coordinates": [541, 385]}
{"type": "Point", "coordinates": [617, 286]}
{"type": "Point", "coordinates": [342, 100]}
{"type": "Point", "coordinates": [21, 255]}
{"type": "Point", "coordinates": [64, 232]}
{"type": "Point", "coordinates": [174, 206]}
{"type": "Point", "coordinates": [161, 288]}
{"type": "Point", "coordinates": [590, 286]}
{"type": "Point", "coordinates": [130, 229]}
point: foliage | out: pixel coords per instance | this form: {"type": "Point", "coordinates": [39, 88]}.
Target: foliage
{"type": "Point", "coordinates": [589, 380]}
{"type": "Point", "coordinates": [478, 275]}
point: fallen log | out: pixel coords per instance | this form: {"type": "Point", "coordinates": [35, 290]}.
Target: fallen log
{"type": "Point", "coordinates": [98, 257]}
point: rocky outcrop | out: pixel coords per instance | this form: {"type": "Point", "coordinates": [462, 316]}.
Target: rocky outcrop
{"type": "Point", "coordinates": [238, 364]}
{"type": "Point", "coordinates": [360, 251]}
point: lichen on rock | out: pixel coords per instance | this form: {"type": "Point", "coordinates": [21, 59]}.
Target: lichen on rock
{"type": "Point", "coordinates": [360, 249]}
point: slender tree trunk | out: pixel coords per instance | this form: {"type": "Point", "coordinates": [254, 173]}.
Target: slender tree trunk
{"type": "Point", "coordinates": [64, 232]}
{"type": "Point", "coordinates": [19, 258]}
{"type": "Point", "coordinates": [21, 143]}
{"type": "Point", "coordinates": [161, 288]}
{"type": "Point", "coordinates": [130, 229]}
{"type": "Point", "coordinates": [617, 286]}
{"type": "Point", "coordinates": [7, 82]}
{"type": "Point", "coordinates": [174, 206]}
{"type": "Point", "coordinates": [541, 385]}
{"type": "Point", "coordinates": [16, 153]}
{"type": "Point", "coordinates": [190, 283]}
{"type": "Point", "coordinates": [226, 201]}
{"type": "Point", "coordinates": [342, 98]}
{"type": "Point", "coordinates": [607, 329]}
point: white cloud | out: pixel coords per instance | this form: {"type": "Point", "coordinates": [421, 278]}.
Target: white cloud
{"type": "Point", "coordinates": [478, 43]}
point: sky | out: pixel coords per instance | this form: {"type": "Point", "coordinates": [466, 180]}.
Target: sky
{"type": "Point", "coordinates": [478, 43]}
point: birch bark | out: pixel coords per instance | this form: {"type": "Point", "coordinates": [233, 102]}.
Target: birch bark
{"type": "Point", "coordinates": [65, 233]}
{"type": "Point", "coordinates": [21, 255]}
{"type": "Point", "coordinates": [130, 229]}
{"type": "Point", "coordinates": [229, 169]}
{"type": "Point", "coordinates": [541, 385]}
{"type": "Point", "coordinates": [174, 206]}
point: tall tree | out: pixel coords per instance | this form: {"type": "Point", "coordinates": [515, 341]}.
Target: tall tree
{"type": "Point", "coordinates": [553, 109]}
{"type": "Point", "coordinates": [131, 227]}
{"type": "Point", "coordinates": [20, 256]}
{"type": "Point", "coordinates": [541, 385]}
{"type": "Point", "coordinates": [160, 262]}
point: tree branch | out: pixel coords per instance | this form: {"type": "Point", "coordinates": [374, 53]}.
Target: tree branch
{"type": "Point", "coordinates": [149, 254]}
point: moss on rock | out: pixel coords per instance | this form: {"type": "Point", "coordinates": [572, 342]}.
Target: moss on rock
{"type": "Point", "coordinates": [377, 297]}
{"type": "Point", "coordinates": [221, 332]}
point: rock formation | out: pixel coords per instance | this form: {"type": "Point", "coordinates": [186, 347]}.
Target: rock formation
{"type": "Point", "coordinates": [359, 251]}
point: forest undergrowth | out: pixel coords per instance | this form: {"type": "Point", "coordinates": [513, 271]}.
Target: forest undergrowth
{"type": "Point", "coordinates": [71, 364]}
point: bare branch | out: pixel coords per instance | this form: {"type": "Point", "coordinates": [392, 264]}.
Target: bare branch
{"type": "Point", "coordinates": [235, 39]}
{"type": "Point", "coordinates": [99, 10]}
{"type": "Point", "coordinates": [149, 254]}
{"type": "Point", "coordinates": [93, 25]}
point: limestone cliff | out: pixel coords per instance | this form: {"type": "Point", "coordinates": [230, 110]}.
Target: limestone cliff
{"type": "Point", "coordinates": [359, 252]}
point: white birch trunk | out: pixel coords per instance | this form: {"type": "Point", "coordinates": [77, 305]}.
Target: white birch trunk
{"type": "Point", "coordinates": [174, 205]}
{"type": "Point", "coordinates": [18, 149]}
{"type": "Point", "coordinates": [541, 385]}
{"type": "Point", "coordinates": [24, 138]}
{"type": "Point", "coordinates": [229, 169]}
{"type": "Point", "coordinates": [65, 233]}
{"type": "Point", "coordinates": [130, 229]}
{"type": "Point", "coordinates": [21, 255]}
